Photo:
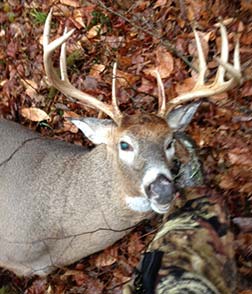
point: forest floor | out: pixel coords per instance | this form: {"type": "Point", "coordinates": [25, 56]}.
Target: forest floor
{"type": "Point", "coordinates": [140, 35]}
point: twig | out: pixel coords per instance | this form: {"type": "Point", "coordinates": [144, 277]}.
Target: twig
{"type": "Point", "coordinates": [166, 43]}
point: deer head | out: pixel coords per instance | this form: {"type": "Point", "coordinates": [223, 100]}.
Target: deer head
{"type": "Point", "coordinates": [142, 146]}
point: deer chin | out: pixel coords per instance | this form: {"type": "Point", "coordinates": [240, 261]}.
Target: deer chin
{"type": "Point", "coordinates": [159, 208]}
{"type": "Point", "coordinates": [138, 203]}
{"type": "Point", "coordinates": [143, 204]}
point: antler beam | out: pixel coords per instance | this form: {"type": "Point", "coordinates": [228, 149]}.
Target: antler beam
{"type": "Point", "coordinates": [219, 85]}
{"type": "Point", "coordinates": [63, 84]}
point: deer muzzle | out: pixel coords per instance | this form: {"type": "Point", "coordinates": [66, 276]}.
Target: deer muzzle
{"type": "Point", "coordinates": [160, 193]}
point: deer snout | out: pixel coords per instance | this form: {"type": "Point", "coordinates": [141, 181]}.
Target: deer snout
{"type": "Point", "coordinates": [160, 193]}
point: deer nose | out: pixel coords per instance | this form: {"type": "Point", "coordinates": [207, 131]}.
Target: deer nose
{"type": "Point", "coordinates": [161, 190]}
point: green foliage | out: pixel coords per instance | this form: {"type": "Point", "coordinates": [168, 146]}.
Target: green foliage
{"type": "Point", "coordinates": [44, 124]}
{"type": "Point", "coordinates": [11, 16]}
{"type": "Point", "coordinates": [7, 9]}
{"type": "Point", "coordinates": [6, 290]}
{"type": "Point", "coordinates": [100, 18]}
{"type": "Point", "coordinates": [39, 17]}
{"type": "Point", "coordinates": [74, 56]}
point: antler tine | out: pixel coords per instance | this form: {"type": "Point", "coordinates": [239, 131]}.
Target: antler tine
{"type": "Point", "coordinates": [219, 85]}
{"type": "Point", "coordinates": [161, 96]}
{"type": "Point", "coordinates": [233, 70]}
{"type": "Point", "coordinates": [63, 63]}
{"type": "Point", "coordinates": [114, 98]}
{"type": "Point", "coordinates": [63, 84]}
{"type": "Point", "coordinates": [202, 61]}
{"type": "Point", "coordinates": [224, 53]}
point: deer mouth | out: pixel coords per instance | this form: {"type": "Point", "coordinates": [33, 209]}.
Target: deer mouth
{"type": "Point", "coordinates": [160, 193]}
{"type": "Point", "coordinates": [158, 208]}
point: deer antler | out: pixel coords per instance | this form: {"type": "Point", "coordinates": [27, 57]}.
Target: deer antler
{"type": "Point", "coordinates": [63, 84]}
{"type": "Point", "coordinates": [201, 89]}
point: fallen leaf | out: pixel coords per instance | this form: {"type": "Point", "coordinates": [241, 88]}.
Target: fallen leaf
{"type": "Point", "coordinates": [227, 182]}
{"type": "Point", "coordinates": [12, 49]}
{"type": "Point", "coordinates": [68, 113]}
{"type": "Point", "coordinates": [31, 90]}
{"type": "Point", "coordinates": [125, 79]}
{"type": "Point", "coordinates": [113, 41]}
{"type": "Point", "coordinates": [165, 64]}
{"type": "Point", "coordinates": [244, 223]}
{"type": "Point", "coordinates": [136, 244]}
{"type": "Point", "coordinates": [94, 32]}
{"type": "Point", "coordinates": [96, 71]}
{"type": "Point", "coordinates": [160, 3]}
{"type": "Point", "coordinates": [247, 89]}
{"type": "Point", "coordinates": [240, 156]}
{"type": "Point", "coordinates": [195, 9]}
{"type": "Point", "coordinates": [107, 257]}
{"type": "Point", "coordinates": [38, 287]}
{"type": "Point", "coordinates": [78, 17]}
{"type": "Point", "coordinates": [67, 125]}
{"type": "Point", "coordinates": [34, 114]}
{"type": "Point", "coordinates": [246, 5]}
{"type": "Point", "coordinates": [186, 86]}
{"type": "Point", "coordinates": [72, 3]}
{"type": "Point", "coordinates": [146, 86]}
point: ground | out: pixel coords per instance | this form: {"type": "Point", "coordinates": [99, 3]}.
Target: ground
{"type": "Point", "coordinates": [140, 36]}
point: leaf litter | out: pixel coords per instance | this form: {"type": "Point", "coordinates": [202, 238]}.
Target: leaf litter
{"type": "Point", "coordinates": [221, 128]}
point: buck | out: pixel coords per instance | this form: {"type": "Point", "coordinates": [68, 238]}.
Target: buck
{"type": "Point", "coordinates": [60, 202]}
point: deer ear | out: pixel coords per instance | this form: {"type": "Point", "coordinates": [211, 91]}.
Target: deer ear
{"type": "Point", "coordinates": [96, 130]}
{"type": "Point", "coordinates": [179, 118]}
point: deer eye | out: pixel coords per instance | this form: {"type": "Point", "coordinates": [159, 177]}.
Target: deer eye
{"type": "Point", "coordinates": [125, 146]}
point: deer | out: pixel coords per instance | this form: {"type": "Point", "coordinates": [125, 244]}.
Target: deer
{"type": "Point", "coordinates": [61, 202]}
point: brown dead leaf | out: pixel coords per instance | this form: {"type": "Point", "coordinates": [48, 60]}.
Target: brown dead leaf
{"type": "Point", "coordinates": [246, 5]}
{"type": "Point", "coordinates": [125, 79]}
{"type": "Point", "coordinates": [31, 90]}
{"type": "Point", "coordinates": [78, 17]}
{"type": "Point", "coordinates": [30, 84]}
{"type": "Point", "coordinates": [67, 125]}
{"type": "Point", "coordinates": [72, 3]}
{"type": "Point", "coordinates": [247, 89]}
{"type": "Point", "coordinates": [227, 182]}
{"type": "Point", "coordinates": [107, 257]}
{"type": "Point", "coordinates": [246, 188]}
{"type": "Point", "coordinates": [68, 113]}
{"type": "Point", "coordinates": [136, 244]}
{"type": "Point", "coordinates": [12, 48]}
{"type": "Point", "coordinates": [240, 156]}
{"type": "Point", "coordinates": [120, 276]}
{"type": "Point", "coordinates": [160, 3]}
{"type": "Point", "coordinates": [186, 86]}
{"type": "Point", "coordinates": [146, 86]}
{"type": "Point", "coordinates": [96, 71]}
{"type": "Point", "coordinates": [244, 223]}
{"type": "Point", "coordinates": [113, 41]}
{"type": "Point", "coordinates": [80, 278]}
{"type": "Point", "coordinates": [195, 9]}
{"type": "Point", "coordinates": [34, 114]}
{"type": "Point", "coordinates": [38, 287]}
{"type": "Point", "coordinates": [165, 64]}
{"type": "Point", "coordinates": [93, 32]}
